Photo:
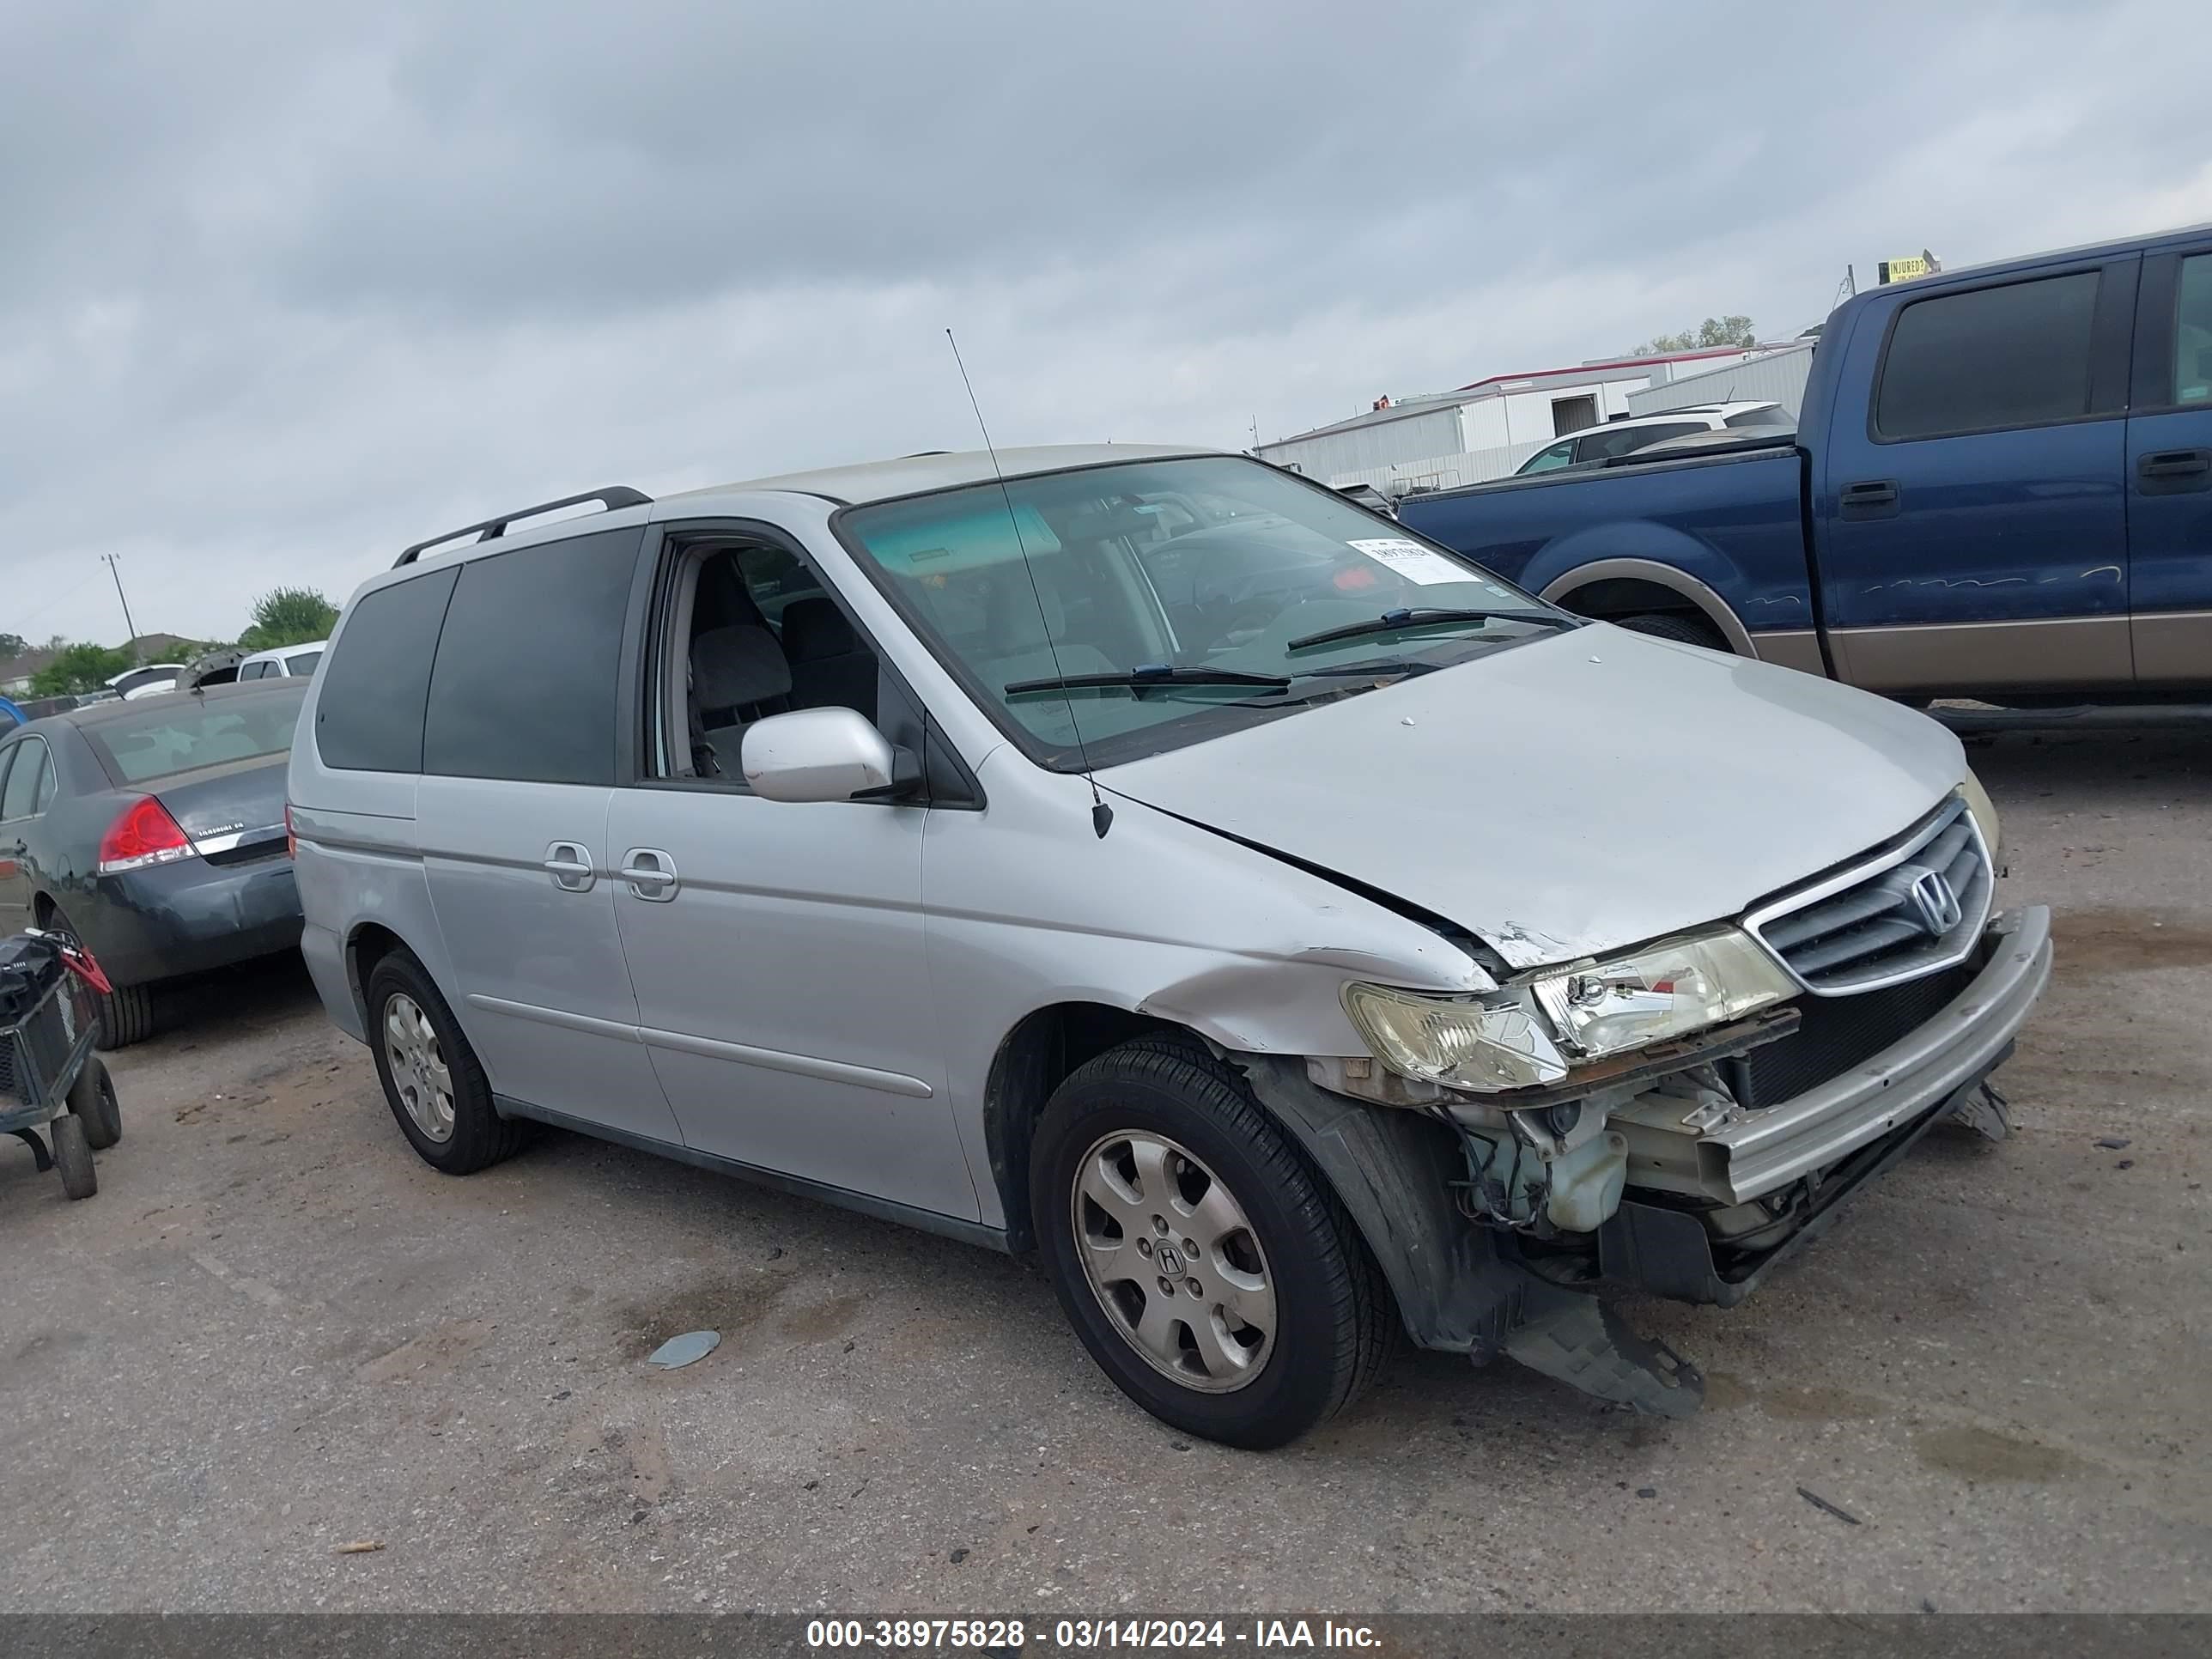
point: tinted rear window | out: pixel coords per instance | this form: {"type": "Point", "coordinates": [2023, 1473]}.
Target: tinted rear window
{"type": "Point", "coordinates": [2016, 356]}
{"type": "Point", "coordinates": [184, 737]}
{"type": "Point", "coordinates": [369, 716]}
{"type": "Point", "coordinates": [529, 663]}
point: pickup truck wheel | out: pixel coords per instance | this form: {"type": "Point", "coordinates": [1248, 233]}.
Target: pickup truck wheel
{"type": "Point", "coordinates": [432, 1079]}
{"type": "Point", "coordinates": [1208, 1269]}
{"type": "Point", "coordinates": [1669, 625]}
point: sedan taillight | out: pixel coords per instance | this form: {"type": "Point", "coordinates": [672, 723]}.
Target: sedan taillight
{"type": "Point", "coordinates": [144, 834]}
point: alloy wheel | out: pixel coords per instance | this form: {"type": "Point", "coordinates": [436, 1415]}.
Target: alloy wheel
{"type": "Point", "coordinates": [1174, 1261]}
{"type": "Point", "coordinates": [419, 1073]}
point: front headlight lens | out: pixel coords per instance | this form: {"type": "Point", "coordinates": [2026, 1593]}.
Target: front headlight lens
{"type": "Point", "coordinates": [1662, 991]}
{"type": "Point", "coordinates": [1984, 812]}
{"type": "Point", "coordinates": [1455, 1041]}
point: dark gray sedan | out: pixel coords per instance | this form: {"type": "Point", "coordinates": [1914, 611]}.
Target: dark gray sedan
{"type": "Point", "coordinates": [154, 831]}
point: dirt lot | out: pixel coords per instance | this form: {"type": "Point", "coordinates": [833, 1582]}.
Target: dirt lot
{"type": "Point", "coordinates": [275, 1332]}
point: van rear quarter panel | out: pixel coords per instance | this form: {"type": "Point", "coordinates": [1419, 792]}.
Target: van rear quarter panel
{"type": "Point", "coordinates": [359, 863]}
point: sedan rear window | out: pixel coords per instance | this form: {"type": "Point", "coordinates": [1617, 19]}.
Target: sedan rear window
{"type": "Point", "coordinates": [162, 742]}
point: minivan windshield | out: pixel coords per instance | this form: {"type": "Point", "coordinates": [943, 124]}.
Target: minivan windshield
{"type": "Point", "coordinates": [1182, 598]}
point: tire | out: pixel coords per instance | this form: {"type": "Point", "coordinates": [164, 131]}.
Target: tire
{"type": "Point", "coordinates": [1684, 630]}
{"type": "Point", "coordinates": [93, 1102]}
{"type": "Point", "coordinates": [432, 1079]}
{"type": "Point", "coordinates": [73, 1158]}
{"type": "Point", "coordinates": [126, 1013]}
{"type": "Point", "coordinates": [126, 1016]}
{"type": "Point", "coordinates": [1301, 1303]}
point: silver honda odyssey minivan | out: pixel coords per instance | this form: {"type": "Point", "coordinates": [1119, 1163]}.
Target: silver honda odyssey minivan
{"type": "Point", "coordinates": [1146, 857]}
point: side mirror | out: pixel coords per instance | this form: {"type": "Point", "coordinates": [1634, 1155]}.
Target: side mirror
{"type": "Point", "coordinates": [824, 754]}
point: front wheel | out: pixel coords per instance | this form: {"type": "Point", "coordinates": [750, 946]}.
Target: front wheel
{"type": "Point", "coordinates": [73, 1158]}
{"type": "Point", "coordinates": [92, 1100]}
{"type": "Point", "coordinates": [1202, 1261]}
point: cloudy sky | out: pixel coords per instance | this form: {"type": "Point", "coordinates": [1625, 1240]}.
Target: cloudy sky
{"type": "Point", "coordinates": [283, 287]}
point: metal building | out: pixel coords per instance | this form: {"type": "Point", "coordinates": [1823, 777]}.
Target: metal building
{"type": "Point", "coordinates": [1482, 431]}
{"type": "Point", "coordinates": [1775, 377]}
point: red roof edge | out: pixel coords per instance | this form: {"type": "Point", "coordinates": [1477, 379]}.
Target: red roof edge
{"type": "Point", "coordinates": [1622, 362]}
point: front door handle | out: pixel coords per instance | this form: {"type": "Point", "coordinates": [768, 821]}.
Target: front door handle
{"type": "Point", "coordinates": [650, 872]}
{"type": "Point", "coordinates": [1872, 498]}
{"type": "Point", "coordinates": [570, 866]}
{"type": "Point", "coordinates": [2169, 471]}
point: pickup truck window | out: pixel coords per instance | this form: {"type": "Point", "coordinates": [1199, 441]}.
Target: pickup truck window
{"type": "Point", "coordinates": [1988, 358]}
{"type": "Point", "coordinates": [2192, 332]}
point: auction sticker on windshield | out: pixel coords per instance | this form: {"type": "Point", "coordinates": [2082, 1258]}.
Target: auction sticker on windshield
{"type": "Point", "coordinates": [1413, 562]}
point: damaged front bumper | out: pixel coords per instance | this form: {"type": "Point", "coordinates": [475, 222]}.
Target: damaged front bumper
{"type": "Point", "coordinates": [1761, 1186]}
{"type": "Point", "coordinates": [1715, 1197]}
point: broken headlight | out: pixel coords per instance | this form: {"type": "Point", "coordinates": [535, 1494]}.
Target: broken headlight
{"type": "Point", "coordinates": [1662, 991]}
{"type": "Point", "coordinates": [1459, 1042]}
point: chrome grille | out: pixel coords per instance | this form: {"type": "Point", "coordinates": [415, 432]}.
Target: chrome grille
{"type": "Point", "coordinates": [1913, 907]}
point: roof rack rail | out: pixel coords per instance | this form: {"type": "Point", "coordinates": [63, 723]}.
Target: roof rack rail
{"type": "Point", "coordinates": [613, 498]}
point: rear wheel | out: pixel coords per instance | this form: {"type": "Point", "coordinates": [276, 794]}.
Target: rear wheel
{"type": "Point", "coordinates": [73, 1158]}
{"type": "Point", "coordinates": [1207, 1268]}
{"type": "Point", "coordinates": [432, 1079]}
{"type": "Point", "coordinates": [1671, 625]}
{"type": "Point", "coordinates": [126, 1013]}
{"type": "Point", "coordinates": [92, 1100]}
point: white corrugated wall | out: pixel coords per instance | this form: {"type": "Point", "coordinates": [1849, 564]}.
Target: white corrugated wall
{"type": "Point", "coordinates": [1408, 438]}
{"type": "Point", "coordinates": [1778, 377]}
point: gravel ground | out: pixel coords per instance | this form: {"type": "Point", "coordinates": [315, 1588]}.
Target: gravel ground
{"type": "Point", "coordinates": [275, 1332]}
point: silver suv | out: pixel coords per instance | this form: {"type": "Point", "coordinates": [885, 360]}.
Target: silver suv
{"type": "Point", "coordinates": [1149, 858]}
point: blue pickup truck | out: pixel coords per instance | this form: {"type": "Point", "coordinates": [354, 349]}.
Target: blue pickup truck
{"type": "Point", "coordinates": [2001, 487]}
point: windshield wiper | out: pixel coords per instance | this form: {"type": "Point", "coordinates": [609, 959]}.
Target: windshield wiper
{"type": "Point", "coordinates": [1146, 677]}
{"type": "Point", "coordinates": [1391, 621]}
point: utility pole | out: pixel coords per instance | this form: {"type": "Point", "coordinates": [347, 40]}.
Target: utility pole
{"type": "Point", "coordinates": [1255, 432]}
{"type": "Point", "coordinates": [127, 623]}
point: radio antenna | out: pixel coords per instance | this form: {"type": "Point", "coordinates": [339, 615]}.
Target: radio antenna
{"type": "Point", "coordinates": [1102, 815]}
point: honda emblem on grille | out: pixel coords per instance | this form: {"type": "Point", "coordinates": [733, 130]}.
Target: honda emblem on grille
{"type": "Point", "coordinates": [1934, 905]}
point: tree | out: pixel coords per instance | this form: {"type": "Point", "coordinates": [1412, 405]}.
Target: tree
{"type": "Point", "coordinates": [79, 668]}
{"type": "Point", "coordinates": [289, 616]}
{"type": "Point", "coordinates": [13, 645]}
{"type": "Point", "coordinates": [1729, 331]}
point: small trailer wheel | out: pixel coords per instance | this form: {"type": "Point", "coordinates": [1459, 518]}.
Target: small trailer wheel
{"type": "Point", "coordinates": [73, 1158]}
{"type": "Point", "coordinates": [92, 1098]}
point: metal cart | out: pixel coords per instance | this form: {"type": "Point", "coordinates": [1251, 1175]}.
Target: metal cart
{"type": "Point", "coordinates": [48, 1076]}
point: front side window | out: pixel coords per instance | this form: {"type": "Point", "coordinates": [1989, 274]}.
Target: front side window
{"type": "Point", "coordinates": [302, 662]}
{"type": "Point", "coordinates": [523, 686]}
{"type": "Point", "coordinates": [2192, 332]}
{"type": "Point", "coordinates": [1079, 574]}
{"type": "Point", "coordinates": [19, 797]}
{"type": "Point", "coordinates": [201, 732]}
{"type": "Point", "coordinates": [1988, 358]}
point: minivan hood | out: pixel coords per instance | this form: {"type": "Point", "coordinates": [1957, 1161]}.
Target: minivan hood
{"type": "Point", "coordinates": [1573, 795]}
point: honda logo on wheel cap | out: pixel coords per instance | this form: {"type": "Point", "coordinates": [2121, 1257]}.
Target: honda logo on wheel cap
{"type": "Point", "coordinates": [1936, 906]}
